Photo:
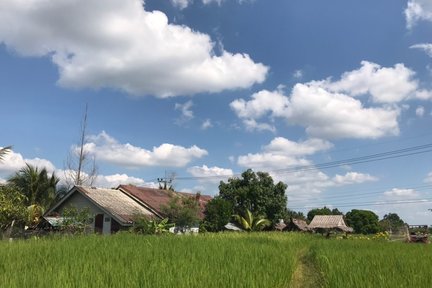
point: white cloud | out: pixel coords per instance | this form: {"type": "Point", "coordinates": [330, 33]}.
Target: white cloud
{"type": "Point", "coordinates": [206, 124]}
{"type": "Point", "coordinates": [420, 111]}
{"type": "Point", "coordinates": [117, 44]}
{"type": "Point", "coordinates": [271, 103]}
{"type": "Point", "coordinates": [112, 181]}
{"type": "Point", "coordinates": [401, 193]}
{"type": "Point", "coordinates": [14, 161]}
{"type": "Point", "coordinates": [329, 109]}
{"type": "Point", "coordinates": [418, 10]}
{"type": "Point", "coordinates": [109, 150]}
{"type": "Point", "coordinates": [210, 173]}
{"type": "Point", "coordinates": [352, 178]}
{"type": "Point", "coordinates": [384, 84]}
{"type": "Point", "coordinates": [186, 110]}
{"type": "Point", "coordinates": [426, 47]}
{"type": "Point", "coordinates": [181, 4]}
{"type": "Point", "coordinates": [281, 145]}
{"type": "Point", "coordinates": [298, 74]}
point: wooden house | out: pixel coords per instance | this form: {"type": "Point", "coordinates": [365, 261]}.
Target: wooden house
{"type": "Point", "coordinates": [111, 210]}
{"type": "Point", "coordinates": [296, 225]}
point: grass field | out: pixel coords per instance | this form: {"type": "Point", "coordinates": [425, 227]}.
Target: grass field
{"type": "Point", "coordinates": [213, 260]}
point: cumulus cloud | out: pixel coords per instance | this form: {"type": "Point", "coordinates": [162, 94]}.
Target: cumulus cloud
{"type": "Point", "coordinates": [384, 84]}
{"type": "Point", "coordinates": [14, 161]}
{"type": "Point", "coordinates": [352, 178]}
{"type": "Point", "coordinates": [426, 47]}
{"type": "Point", "coordinates": [401, 193]}
{"type": "Point", "coordinates": [264, 103]}
{"type": "Point", "coordinates": [335, 109]}
{"type": "Point", "coordinates": [108, 149]}
{"type": "Point", "coordinates": [181, 4]}
{"type": "Point", "coordinates": [118, 44]}
{"type": "Point", "coordinates": [418, 10]}
{"type": "Point", "coordinates": [210, 174]}
{"type": "Point", "coordinates": [113, 181]}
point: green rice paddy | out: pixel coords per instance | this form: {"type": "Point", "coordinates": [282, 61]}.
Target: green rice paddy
{"type": "Point", "coordinates": [212, 260]}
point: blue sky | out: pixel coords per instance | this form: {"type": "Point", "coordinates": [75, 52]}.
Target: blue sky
{"type": "Point", "coordinates": [206, 89]}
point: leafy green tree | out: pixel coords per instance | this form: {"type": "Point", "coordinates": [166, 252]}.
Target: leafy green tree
{"type": "Point", "coordinates": [12, 207]}
{"type": "Point", "coordinates": [257, 193]}
{"type": "Point", "coordinates": [392, 222]}
{"type": "Point", "coordinates": [76, 221]}
{"type": "Point", "coordinates": [363, 221]}
{"type": "Point", "coordinates": [183, 211]}
{"type": "Point", "coordinates": [142, 225]}
{"type": "Point", "coordinates": [218, 213]}
{"type": "Point", "coordinates": [249, 222]}
{"type": "Point", "coordinates": [294, 214]}
{"type": "Point", "coordinates": [36, 185]}
{"type": "Point", "coordinates": [4, 151]}
{"type": "Point", "coordinates": [322, 211]}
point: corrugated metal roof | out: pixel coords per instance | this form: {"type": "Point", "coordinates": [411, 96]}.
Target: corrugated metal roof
{"type": "Point", "coordinates": [116, 203]}
{"type": "Point", "coordinates": [155, 198]}
{"type": "Point", "coordinates": [328, 222]}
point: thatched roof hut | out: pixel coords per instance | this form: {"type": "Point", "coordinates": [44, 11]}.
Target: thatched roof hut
{"type": "Point", "coordinates": [329, 222]}
{"type": "Point", "coordinates": [297, 225]}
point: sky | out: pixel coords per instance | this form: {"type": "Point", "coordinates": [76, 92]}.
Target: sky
{"type": "Point", "coordinates": [331, 97]}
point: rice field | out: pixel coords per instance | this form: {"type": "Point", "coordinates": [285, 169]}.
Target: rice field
{"type": "Point", "coordinates": [212, 260]}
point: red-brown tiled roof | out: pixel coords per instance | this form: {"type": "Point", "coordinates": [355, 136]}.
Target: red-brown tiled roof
{"type": "Point", "coordinates": [155, 198]}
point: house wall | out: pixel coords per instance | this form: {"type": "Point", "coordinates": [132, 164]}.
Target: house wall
{"type": "Point", "coordinates": [80, 202]}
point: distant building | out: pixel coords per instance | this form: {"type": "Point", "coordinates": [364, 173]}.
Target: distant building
{"type": "Point", "coordinates": [329, 222]}
{"type": "Point", "coordinates": [296, 225]}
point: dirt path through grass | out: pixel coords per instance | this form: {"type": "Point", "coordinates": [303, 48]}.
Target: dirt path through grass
{"type": "Point", "coordinates": [306, 273]}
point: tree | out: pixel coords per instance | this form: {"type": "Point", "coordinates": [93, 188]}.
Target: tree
{"type": "Point", "coordinates": [80, 167]}
{"type": "Point", "coordinates": [183, 211]}
{"type": "Point", "coordinates": [322, 211]}
{"type": "Point", "coordinates": [4, 151]}
{"type": "Point", "coordinates": [391, 222]}
{"type": "Point", "coordinates": [11, 207]}
{"type": "Point", "coordinates": [257, 193]}
{"type": "Point", "coordinates": [36, 185]}
{"type": "Point", "coordinates": [249, 222]}
{"type": "Point", "coordinates": [218, 212]}
{"type": "Point", "coordinates": [295, 215]}
{"type": "Point", "coordinates": [363, 221]}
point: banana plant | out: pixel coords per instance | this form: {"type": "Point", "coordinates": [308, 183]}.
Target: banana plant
{"type": "Point", "coordinates": [251, 222]}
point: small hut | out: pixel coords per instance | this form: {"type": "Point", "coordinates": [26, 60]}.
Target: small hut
{"type": "Point", "coordinates": [297, 225]}
{"type": "Point", "coordinates": [328, 223]}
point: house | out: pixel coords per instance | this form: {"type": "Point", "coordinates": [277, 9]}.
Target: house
{"type": "Point", "coordinates": [111, 210]}
{"type": "Point", "coordinates": [296, 225]}
{"type": "Point", "coordinates": [154, 199]}
{"type": "Point", "coordinates": [329, 222]}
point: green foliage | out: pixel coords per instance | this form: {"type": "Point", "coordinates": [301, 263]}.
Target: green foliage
{"type": "Point", "coordinates": [35, 213]}
{"type": "Point", "coordinates": [250, 222]}
{"type": "Point", "coordinates": [11, 207]}
{"type": "Point", "coordinates": [183, 211]}
{"type": "Point", "coordinates": [128, 260]}
{"type": "Point", "coordinates": [363, 221]}
{"type": "Point", "coordinates": [143, 225]}
{"type": "Point", "coordinates": [322, 211]}
{"type": "Point", "coordinates": [76, 221]}
{"type": "Point", "coordinates": [257, 193]}
{"type": "Point", "coordinates": [391, 222]}
{"type": "Point", "coordinates": [294, 214]}
{"type": "Point", "coordinates": [36, 185]}
{"type": "Point", "coordinates": [218, 213]}
{"type": "Point", "coordinates": [4, 151]}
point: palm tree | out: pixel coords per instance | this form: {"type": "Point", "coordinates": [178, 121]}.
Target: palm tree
{"type": "Point", "coordinates": [251, 222]}
{"type": "Point", "coordinates": [4, 151]}
{"type": "Point", "coordinates": [36, 185]}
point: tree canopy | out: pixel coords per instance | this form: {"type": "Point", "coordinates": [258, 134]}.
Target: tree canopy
{"type": "Point", "coordinates": [391, 222]}
{"type": "Point", "coordinates": [218, 213]}
{"type": "Point", "coordinates": [37, 186]}
{"type": "Point", "coordinates": [363, 221]}
{"type": "Point", "coordinates": [257, 193]}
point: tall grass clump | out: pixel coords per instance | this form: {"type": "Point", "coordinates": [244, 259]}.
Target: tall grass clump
{"type": "Point", "coordinates": [360, 263]}
{"type": "Point", "coordinates": [127, 260]}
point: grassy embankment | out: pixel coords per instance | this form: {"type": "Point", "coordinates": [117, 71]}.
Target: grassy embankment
{"type": "Point", "coordinates": [213, 260]}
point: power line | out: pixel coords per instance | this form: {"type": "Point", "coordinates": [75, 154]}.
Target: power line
{"type": "Point", "coordinates": [376, 203]}
{"type": "Point", "coordinates": [405, 152]}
